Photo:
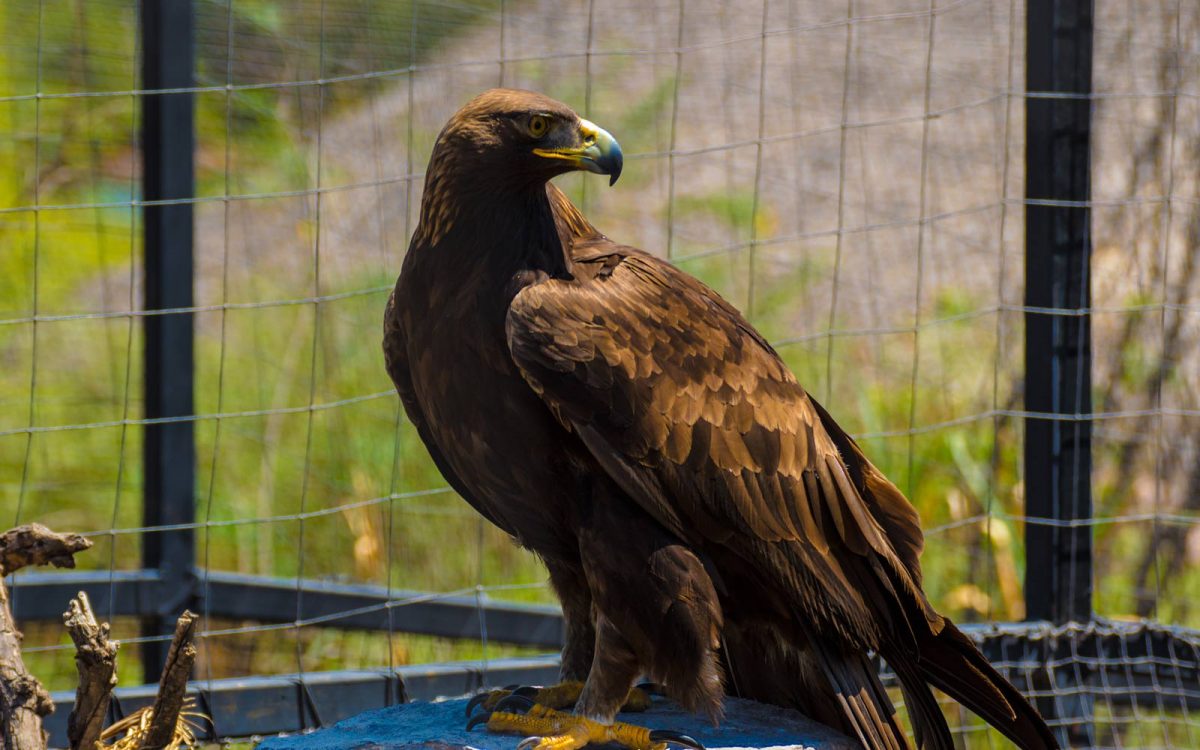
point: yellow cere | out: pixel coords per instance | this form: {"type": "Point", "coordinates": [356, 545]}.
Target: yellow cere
{"type": "Point", "coordinates": [587, 130]}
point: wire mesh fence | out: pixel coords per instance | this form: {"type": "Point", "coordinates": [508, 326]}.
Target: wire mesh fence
{"type": "Point", "coordinates": [851, 175]}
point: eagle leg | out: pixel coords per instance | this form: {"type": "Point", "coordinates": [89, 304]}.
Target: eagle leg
{"type": "Point", "coordinates": [607, 687]}
{"type": "Point", "coordinates": [550, 729]}
{"type": "Point", "coordinates": [579, 637]}
{"type": "Point", "coordinates": [563, 695]}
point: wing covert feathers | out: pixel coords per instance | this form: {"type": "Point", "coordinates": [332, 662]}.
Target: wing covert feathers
{"type": "Point", "coordinates": [680, 388]}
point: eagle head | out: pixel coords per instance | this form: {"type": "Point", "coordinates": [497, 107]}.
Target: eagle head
{"type": "Point", "coordinates": [521, 137]}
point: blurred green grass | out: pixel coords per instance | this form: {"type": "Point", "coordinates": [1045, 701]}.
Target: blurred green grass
{"type": "Point", "coordinates": [400, 526]}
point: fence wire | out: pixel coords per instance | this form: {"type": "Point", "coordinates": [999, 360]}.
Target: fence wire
{"type": "Point", "coordinates": [849, 174]}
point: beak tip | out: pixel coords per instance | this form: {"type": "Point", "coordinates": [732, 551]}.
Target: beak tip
{"type": "Point", "coordinates": [602, 154]}
{"type": "Point", "coordinates": [616, 163]}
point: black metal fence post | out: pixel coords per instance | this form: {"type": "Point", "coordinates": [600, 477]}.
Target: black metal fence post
{"type": "Point", "coordinates": [1058, 354]}
{"type": "Point", "coordinates": [169, 448]}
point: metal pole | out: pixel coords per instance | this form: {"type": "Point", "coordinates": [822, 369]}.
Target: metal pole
{"type": "Point", "coordinates": [1058, 356]}
{"type": "Point", "coordinates": [169, 449]}
{"type": "Point", "coordinates": [1058, 345]}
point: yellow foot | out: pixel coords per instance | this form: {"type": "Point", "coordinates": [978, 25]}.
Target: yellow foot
{"type": "Point", "coordinates": [554, 730]}
{"type": "Point", "coordinates": [562, 695]}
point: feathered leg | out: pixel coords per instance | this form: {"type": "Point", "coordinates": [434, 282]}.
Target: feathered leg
{"type": "Point", "coordinates": [657, 612]}
{"type": "Point", "coordinates": [656, 595]}
{"type": "Point", "coordinates": [571, 585]}
{"type": "Point", "coordinates": [614, 668]}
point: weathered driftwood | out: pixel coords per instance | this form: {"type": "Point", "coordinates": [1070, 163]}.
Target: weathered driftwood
{"type": "Point", "coordinates": [95, 658]}
{"type": "Point", "coordinates": [172, 688]}
{"type": "Point", "coordinates": [34, 544]}
{"type": "Point", "coordinates": [23, 700]}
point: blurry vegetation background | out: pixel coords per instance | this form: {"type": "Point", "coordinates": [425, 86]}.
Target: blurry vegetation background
{"type": "Point", "coordinates": [857, 193]}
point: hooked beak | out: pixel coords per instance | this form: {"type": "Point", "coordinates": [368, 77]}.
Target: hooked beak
{"type": "Point", "coordinates": [599, 153]}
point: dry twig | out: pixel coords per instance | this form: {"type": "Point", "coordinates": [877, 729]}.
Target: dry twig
{"type": "Point", "coordinates": [172, 688]}
{"type": "Point", "coordinates": [95, 658]}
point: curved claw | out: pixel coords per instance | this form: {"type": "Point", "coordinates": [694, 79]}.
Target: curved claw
{"type": "Point", "coordinates": [486, 695]}
{"type": "Point", "coordinates": [478, 719]}
{"type": "Point", "coordinates": [514, 701]}
{"type": "Point", "coordinates": [475, 701]}
{"type": "Point", "coordinates": [679, 738]}
{"type": "Point", "coordinates": [528, 691]}
{"type": "Point", "coordinates": [528, 742]}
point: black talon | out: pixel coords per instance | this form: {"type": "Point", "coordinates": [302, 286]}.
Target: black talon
{"type": "Point", "coordinates": [679, 738]}
{"type": "Point", "coordinates": [529, 691]}
{"type": "Point", "coordinates": [475, 701]}
{"type": "Point", "coordinates": [514, 700]}
{"type": "Point", "coordinates": [481, 697]}
{"type": "Point", "coordinates": [478, 719]}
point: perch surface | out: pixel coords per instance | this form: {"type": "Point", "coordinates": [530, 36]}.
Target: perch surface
{"type": "Point", "coordinates": [440, 726]}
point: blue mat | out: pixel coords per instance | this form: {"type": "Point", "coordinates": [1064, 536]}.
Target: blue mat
{"type": "Point", "coordinates": [747, 725]}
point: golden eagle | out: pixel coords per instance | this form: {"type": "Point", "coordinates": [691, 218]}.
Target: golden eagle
{"type": "Point", "coordinates": [703, 519]}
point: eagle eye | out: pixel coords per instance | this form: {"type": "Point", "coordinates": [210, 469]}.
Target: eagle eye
{"type": "Point", "coordinates": [538, 125]}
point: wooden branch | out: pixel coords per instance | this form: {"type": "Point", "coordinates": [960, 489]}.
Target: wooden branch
{"type": "Point", "coordinates": [172, 688]}
{"type": "Point", "coordinates": [23, 700]}
{"type": "Point", "coordinates": [34, 544]}
{"type": "Point", "coordinates": [95, 658]}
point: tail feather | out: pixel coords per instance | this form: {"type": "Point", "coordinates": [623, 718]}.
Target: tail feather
{"type": "Point", "coordinates": [950, 661]}
{"type": "Point", "coordinates": [864, 700]}
{"type": "Point", "coordinates": [928, 721]}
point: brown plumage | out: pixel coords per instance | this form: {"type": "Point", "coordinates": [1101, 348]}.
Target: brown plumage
{"type": "Point", "coordinates": [704, 520]}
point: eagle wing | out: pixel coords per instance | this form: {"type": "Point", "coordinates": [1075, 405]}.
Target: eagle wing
{"type": "Point", "coordinates": [687, 407]}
